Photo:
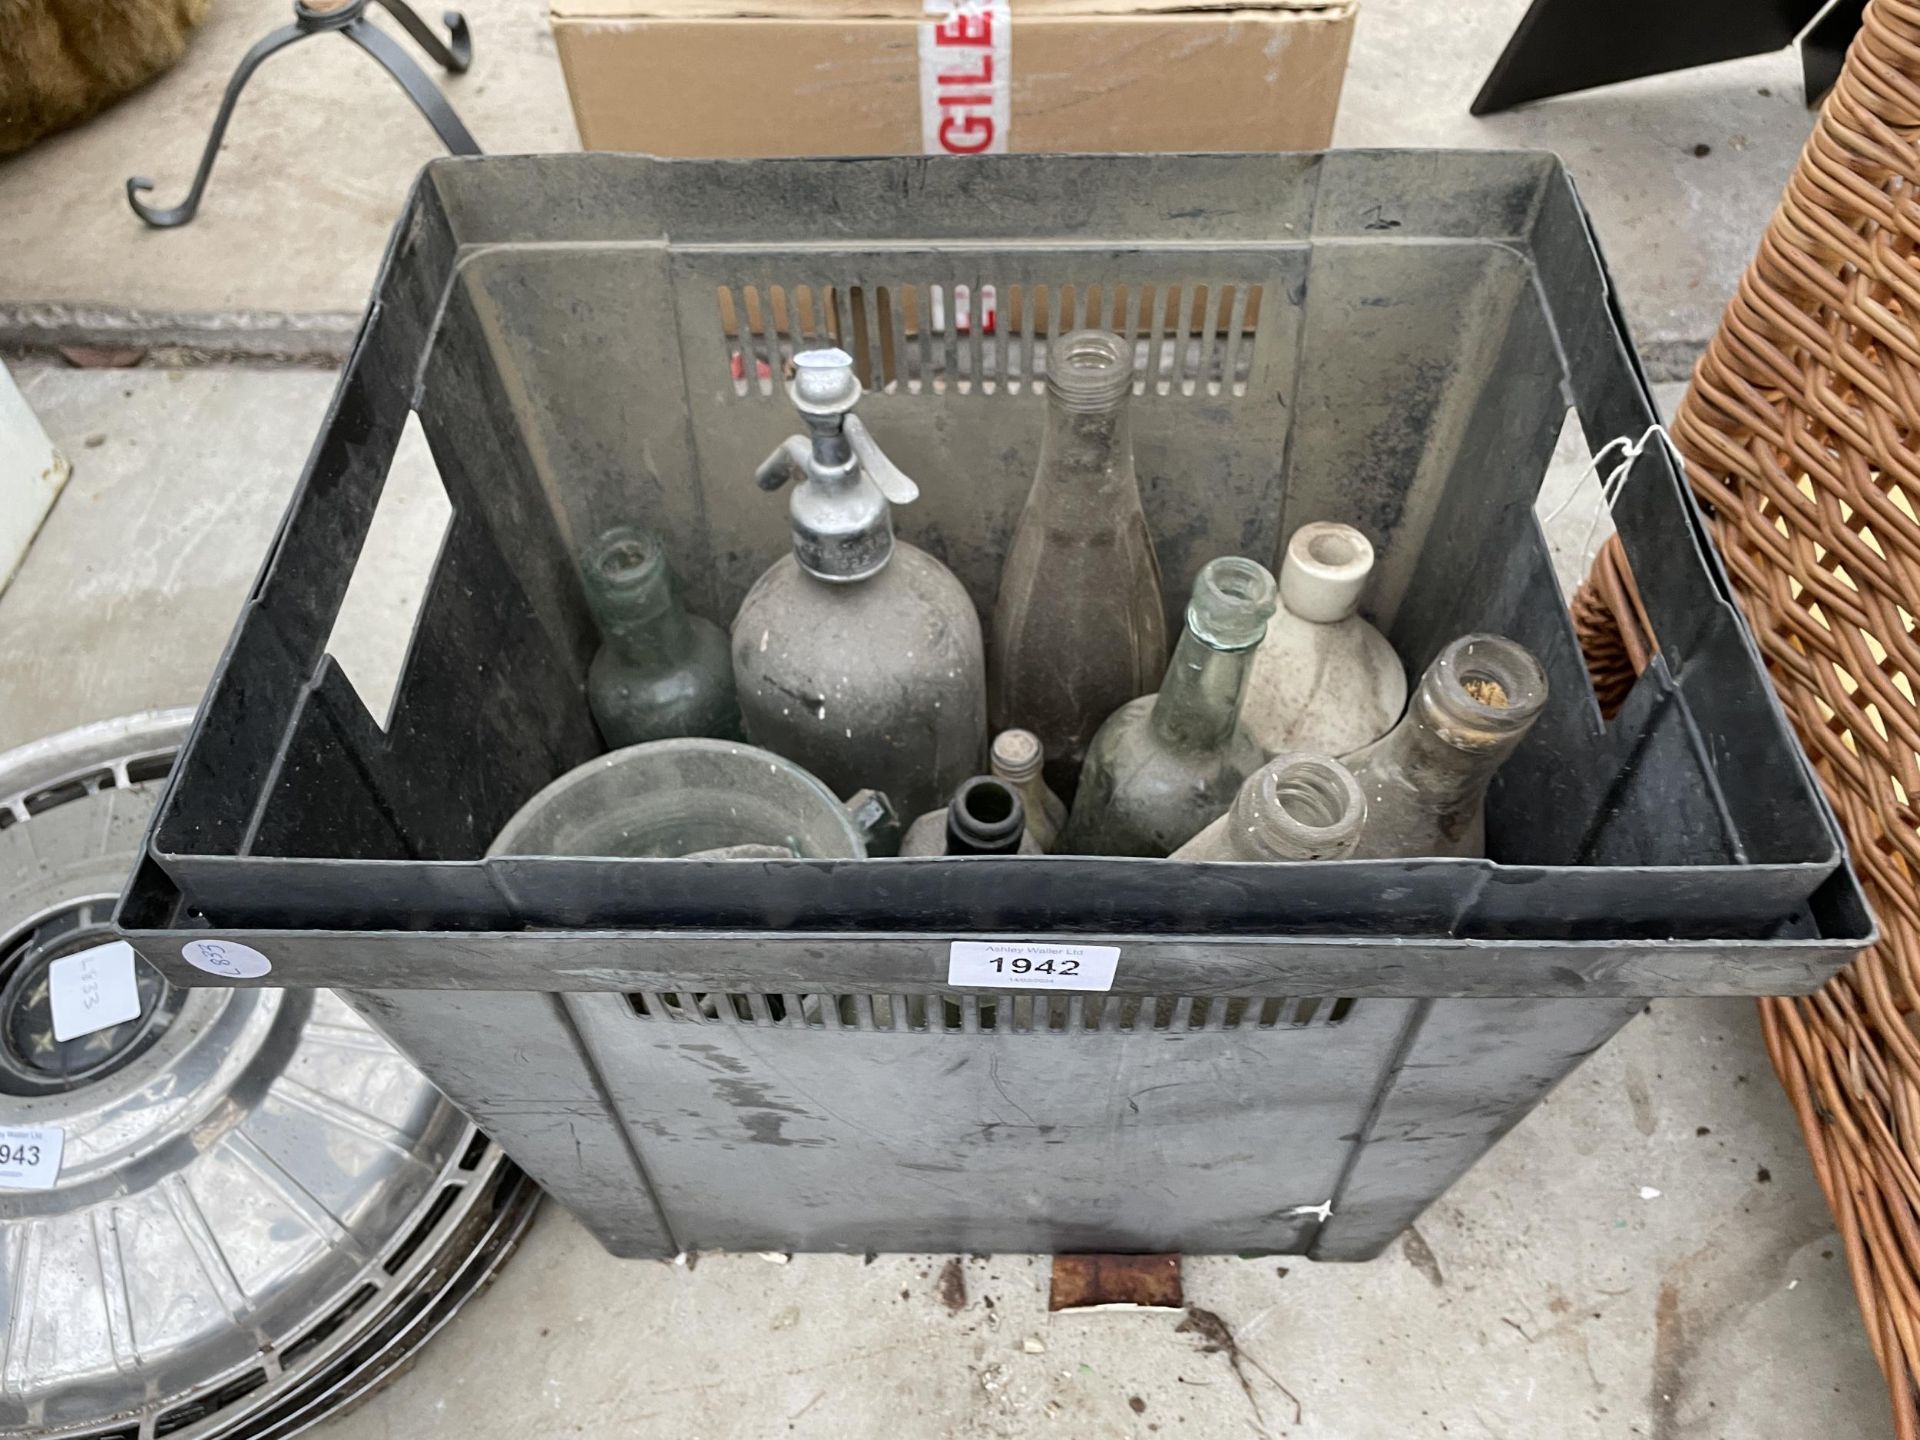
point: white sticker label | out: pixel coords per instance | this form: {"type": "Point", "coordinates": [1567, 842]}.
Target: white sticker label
{"type": "Point", "coordinates": [30, 1156]}
{"type": "Point", "coordinates": [1031, 965]}
{"type": "Point", "coordinates": [94, 990]}
{"type": "Point", "coordinates": [966, 74]}
{"type": "Point", "coordinates": [226, 957]}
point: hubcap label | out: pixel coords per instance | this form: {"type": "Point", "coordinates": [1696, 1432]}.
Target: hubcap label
{"type": "Point", "coordinates": [226, 957]}
{"type": "Point", "coordinates": [94, 990]}
{"type": "Point", "coordinates": [30, 1156]}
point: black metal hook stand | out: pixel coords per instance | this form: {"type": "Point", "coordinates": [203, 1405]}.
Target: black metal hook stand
{"type": "Point", "coordinates": [348, 17]}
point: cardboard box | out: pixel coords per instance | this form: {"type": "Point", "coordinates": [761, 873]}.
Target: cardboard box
{"type": "Point", "coordinates": [866, 77]}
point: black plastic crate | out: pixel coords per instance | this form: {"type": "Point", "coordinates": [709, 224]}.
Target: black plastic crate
{"type": "Point", "coordinates": [1386, 338]}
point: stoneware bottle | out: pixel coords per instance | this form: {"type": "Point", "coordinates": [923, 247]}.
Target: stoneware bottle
{"type": "Point", "coordinates": [1324, 680]}
{"type": "Point", "coordinates": [985, 817]}
{"type": "Point", "coordinates": [857, 656]}
{"type": "Point", "coordinates": [1294, 807]}
{"type": "Point", "coordinates": [1079, 627]}
{"type": "Point", "coordinates": [1426, 780]}
{"type": "Point", "coordinates": [660, 673]}
{"type": "Point", "coordinates": [1015, 757]}
{"type": "Point", "coordinates": [1165, 766]}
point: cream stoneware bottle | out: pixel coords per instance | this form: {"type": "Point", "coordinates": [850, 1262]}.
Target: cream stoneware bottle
{"type": "Point", "coordinates": [1324, 681]}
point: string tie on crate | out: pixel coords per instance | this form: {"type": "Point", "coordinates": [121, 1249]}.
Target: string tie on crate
{"type": "Point", "coordinates": [1616, 481]}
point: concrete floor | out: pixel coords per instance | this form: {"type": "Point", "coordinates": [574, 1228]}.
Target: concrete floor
{"type": "Point", "coordinates": [1680, 171]}
{"type": "Point", "coordinates": [1552, 1292]}
{"type": "Point", "coordinates": [1647, 1255]}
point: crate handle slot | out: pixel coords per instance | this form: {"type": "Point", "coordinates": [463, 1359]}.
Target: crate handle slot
{"type": "Point", "coordinates": [373, 631]}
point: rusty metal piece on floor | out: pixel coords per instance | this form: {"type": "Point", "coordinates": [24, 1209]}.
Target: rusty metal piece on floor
{"type": "Point", "coordinates": [1116, 1282]}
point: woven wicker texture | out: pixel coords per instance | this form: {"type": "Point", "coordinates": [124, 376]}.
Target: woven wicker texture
{"type": "Point", "coordinates": [1801, 436]}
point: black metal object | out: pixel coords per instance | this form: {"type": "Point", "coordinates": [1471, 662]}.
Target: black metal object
{"type": "Point", "coordinates": [1566, 45]}
{"type": "Point", "coordinates": [774, 1054]}
{"type": "Point", "coordinates": [454, 54]}
{"type": "Point", "coordinates": [1690, 815]}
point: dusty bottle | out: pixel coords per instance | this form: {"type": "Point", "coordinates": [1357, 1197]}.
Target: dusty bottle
{"type": "Point", "coordinates": [1166, 765]}
{"type": "Point", "coordinates": [1079, 627]}
{"type": "Point", "coordinates": [1324, 681]}
{"type": "Point", "coordinates": [1426, 779]}
{"type": "Point", "coordinates": [660, 673]}
{"type": "Point", "coordinates": [985, 817]}
{"type": "Point", "coordinates": [1294, 807]}
{"type": "Point", "coordinates": [857, 656]}
{"type": "Point", "coordinates": [1016, 757]}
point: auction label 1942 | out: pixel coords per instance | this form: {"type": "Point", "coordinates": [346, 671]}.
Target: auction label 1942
{"type": "Point", "coordinates": [1031, 965]}
{"type": "Point", "coordinates": [30, 1156]}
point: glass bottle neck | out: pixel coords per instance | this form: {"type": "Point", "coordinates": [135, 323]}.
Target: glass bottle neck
{"type": "Point", "coordinates": [635, 607]}
{"type": "Point", "coordinates": [1296, 807]}
{"type": "Point", "coordinates": [1089, 452]}
{"type": "Point", "coordinates": [647, 638]}
{"type": "Point", "coordinates": [1199, 701]}
{"type": "Point", "coordinates": [985, 817]}
{"type": "Point", "coordinates": [1439, 759]}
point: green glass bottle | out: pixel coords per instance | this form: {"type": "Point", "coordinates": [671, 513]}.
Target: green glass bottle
{"type": "Point", "coordinates": [1166, 765]}
{"type": "Point", "coordinates": [660, 672]}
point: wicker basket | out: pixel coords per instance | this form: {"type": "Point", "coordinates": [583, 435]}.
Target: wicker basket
{"type": "Point", "coordinates": [1801, 436]}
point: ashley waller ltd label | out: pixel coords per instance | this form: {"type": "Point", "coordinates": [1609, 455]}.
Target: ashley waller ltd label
{"type": "Point", "coordinates": [30, 1156]}
{"type": "Point", "coordinates": [966, 77]}
{"type": "Point", "coordinates": [1031, 965]}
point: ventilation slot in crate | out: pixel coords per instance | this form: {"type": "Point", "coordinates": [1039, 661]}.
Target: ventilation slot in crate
{"type": "Point", "coordinates": [1189, 340]}
{"type": "Point", "coordinates": [972, 1014]}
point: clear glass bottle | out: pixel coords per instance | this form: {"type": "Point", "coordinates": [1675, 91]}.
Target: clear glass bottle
{"type": "Point", "coordinates": [1324, 680]}
{"type": "Point", "coordinates": [1166, 765]}
{"type": "Point", "coordinates": [858, 656]}
{"type": "Point", "coordinates": [1016, 757]}
{"type": "Point", "coordinates": [985, 817]}
{"type": "Point", "coordinates": [660, 672]}
{"type": "Point", "coordinates": [1294, 807]}
{"type": "Point", "coordinates": [1426, 779]}
{"type": "Point", "coordinates": [1079, 627]}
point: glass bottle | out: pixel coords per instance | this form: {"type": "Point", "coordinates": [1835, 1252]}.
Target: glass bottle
{"type": "Point", "coordinates": [1294, 807]}
{"type": "Point", "coordinates": [1426, 779]}
{"type": "Point", "coordinates": [857, 656]}
{"type": "Point", "coordinates": [660, 672]}
{"type": "Point", "coordinates": [985, 817]}
{"type": "Point", "coordinates": [1079, 627]}
{"type": "Point", "coordinates": [1016, 757]}
{"type": "Point", "coordinates": [1165, 765]}
{"type": "Point", "coordinates": [1324, 680]}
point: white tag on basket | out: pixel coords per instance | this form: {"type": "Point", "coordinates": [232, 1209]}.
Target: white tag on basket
{"type": "Point", "coordinates": [1031, 965]}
